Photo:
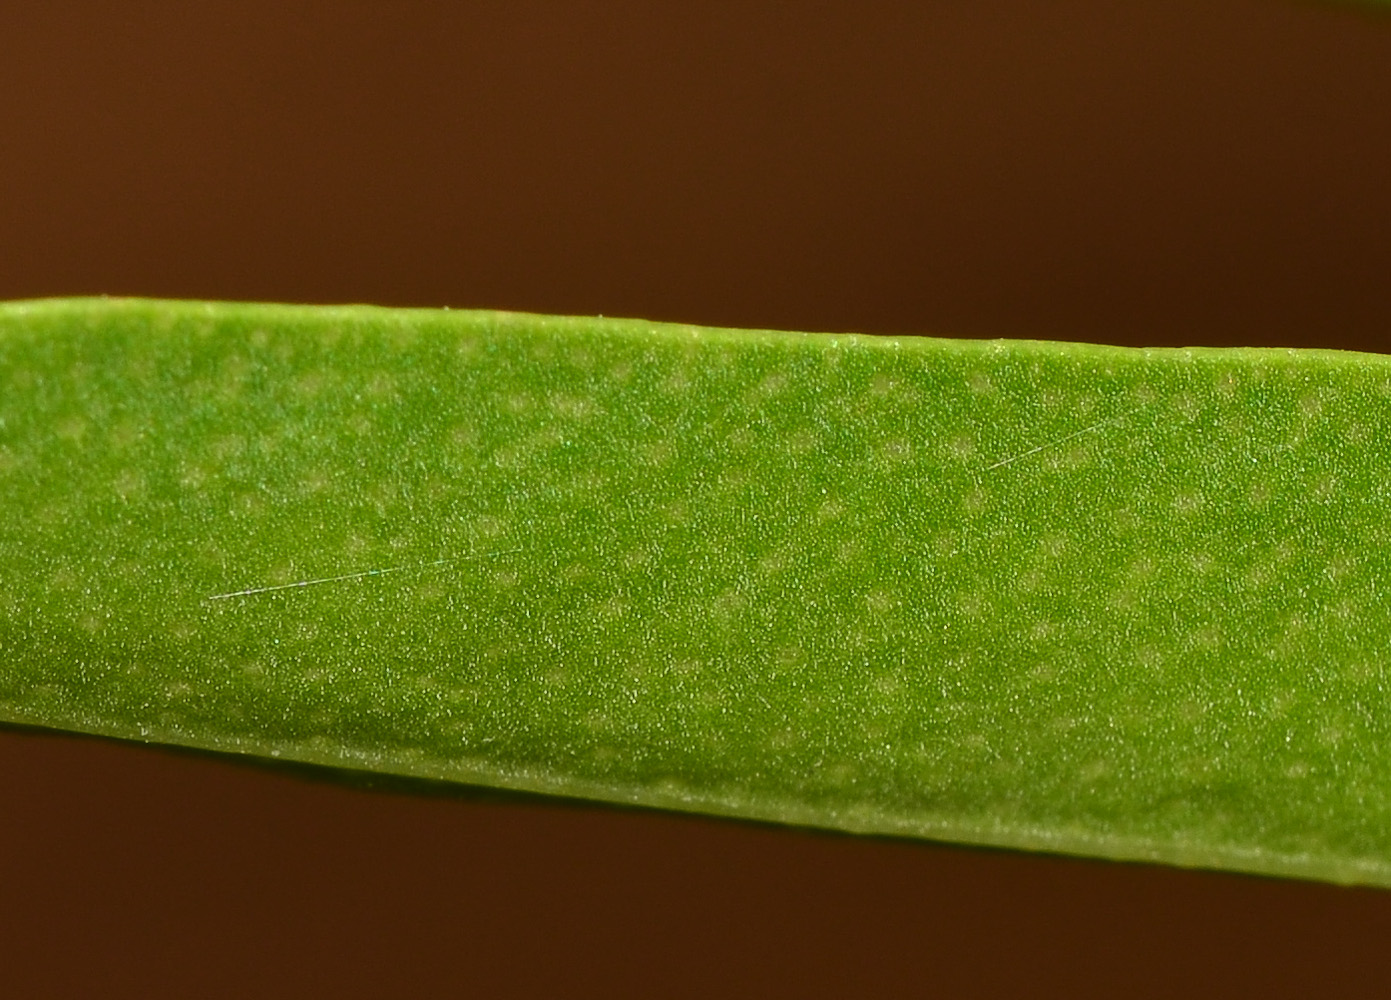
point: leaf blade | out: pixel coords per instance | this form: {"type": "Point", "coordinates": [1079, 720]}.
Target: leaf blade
{"type": "Point", "coordinates": [1060, 597]}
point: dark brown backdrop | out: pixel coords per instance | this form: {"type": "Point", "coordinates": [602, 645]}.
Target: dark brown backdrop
{"type": "Point", "coordinates": [1200, 172]}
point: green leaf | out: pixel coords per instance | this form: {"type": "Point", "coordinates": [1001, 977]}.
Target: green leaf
{"type": "Point", "coordinates": [1084, 599]}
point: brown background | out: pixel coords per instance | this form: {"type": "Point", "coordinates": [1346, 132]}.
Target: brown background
{"type": "Point", "coordinates": [1203, 172]}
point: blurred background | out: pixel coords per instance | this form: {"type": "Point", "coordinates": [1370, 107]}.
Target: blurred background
{"type": "Point", "coordinates": [1167, 173]}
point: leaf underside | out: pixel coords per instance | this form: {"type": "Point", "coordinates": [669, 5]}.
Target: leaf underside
{"type": "Point", "coordinates": [1092, 600]}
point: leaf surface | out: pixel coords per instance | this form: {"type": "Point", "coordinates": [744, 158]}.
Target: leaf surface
{"type": "Point", "coordinates": [1105, 601]}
